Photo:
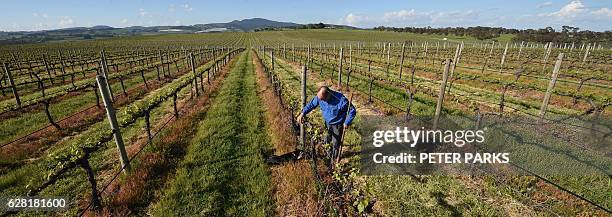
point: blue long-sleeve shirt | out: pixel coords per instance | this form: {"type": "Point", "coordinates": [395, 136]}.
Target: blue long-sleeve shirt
{"type": "Point", "coordinates": [334, 110]}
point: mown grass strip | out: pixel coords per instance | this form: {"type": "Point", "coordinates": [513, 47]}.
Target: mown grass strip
{"type": "Point", "coordinates": [223, 173]}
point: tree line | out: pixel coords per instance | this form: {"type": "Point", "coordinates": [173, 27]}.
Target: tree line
{"type": "Point", "coordinates": [568, 34]}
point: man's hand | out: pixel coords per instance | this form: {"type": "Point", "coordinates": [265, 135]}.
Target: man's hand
{"type": "Point", "coordinates": [300, 118]}
{"type": "Point", "coordinates": [346, 127]}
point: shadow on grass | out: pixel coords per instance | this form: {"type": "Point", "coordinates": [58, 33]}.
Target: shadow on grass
{"type": "Point", "coordinates": [442, 202]}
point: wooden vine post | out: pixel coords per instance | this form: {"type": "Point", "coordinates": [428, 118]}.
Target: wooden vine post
{"type": "Point", "coordinates": [272, 58]}
{"type": "Point", "coordinates": [62, 67]}
{"type": "Point", "coordinates": [546, 55]}
{"type": "Point", "coordinates": [193, 69]}
{"type": "Point", "coordinates": [551, 86]}
{"type": "Point", "coordinates": [454, 66]}
{"type": "Point", "coordinates": [371, 81]}
{"type": "Point", "coordinates": [425, 52]}
{"type": "Point", "coordinates": [293, 52]}
{"type": "Point", "coordinates": [169, 60]}
{"type": "Point", "coordinates": [185, 55]}
{"type": "Point", "coordinates": [12, 83]}
{"type": "Point", "coordinates": [340, 69]}
{"type": "Point", "coordinates": [161, 62]}
{"type": "Point", "coordinates": [586, 54]}
{"type": "Point", "coordinates": [416, 57]}
{"type": "Point", "coordinates": [105, 74]}
{"type": "Point", "coordinates": [401, 66]}
{"type": "Point", "coordinates": [175, 60]}
{"type": "Point", "coordinates": [307, 57]}
{"type": "Point", "coordinates": [388, 61]}
{"type": "Point", "coordinates": [503, 59]}
{"type": "Point", "coordinates": [302, 129]}
{"type": "Point", "coordinates": [519, 52]}
{"type": "Point", "coordinates": [348, 74]}
{"type": "Point", "coordinates": [104, 64]}
{"type": "Point", "coordinates": [112, 119]}
{"type": "Point", "coordinates": [441, 94]}
{"type": "Point", "coordinates": [433, 60]}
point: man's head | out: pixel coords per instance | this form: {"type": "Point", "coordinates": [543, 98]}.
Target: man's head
{"type": "Point", "coordinates": [323, 93]}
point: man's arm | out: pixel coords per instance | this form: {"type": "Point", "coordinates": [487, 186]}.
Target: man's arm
{"type": "Point", "coordinates": [308, 108]}
{"type": "Point", "coordinates": [352, 112]}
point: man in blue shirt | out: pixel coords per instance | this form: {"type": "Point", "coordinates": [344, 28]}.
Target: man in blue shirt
{"type": "Point", "coordinates": [334, 107]}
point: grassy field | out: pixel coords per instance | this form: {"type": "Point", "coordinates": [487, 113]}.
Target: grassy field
{"type": "Point", "coordinates": [223, 173]}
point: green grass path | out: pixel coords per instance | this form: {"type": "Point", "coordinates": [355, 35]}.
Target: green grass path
{"type": "Point", "coordinates": [223, 173]}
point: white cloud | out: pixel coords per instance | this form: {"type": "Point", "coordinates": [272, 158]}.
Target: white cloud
{"type": "Point", "coordinates": [66, 22]}
{"type": "Point", "coordinates": [35, 14]}
{"type": "Point", "coordinates": [187, 7]}
{"type": "Point", "coordinates": [403, 15]}
{"type": "Point", "coordinates": [577, 14]}
{"type": "Point", "coordinates": [172, 8]}
{"type": "Point", "coordinates": [570, 10]}
{"type": "Point", "coordinates": [545, 4]}
{"type": "Point", "coordinates": [354, 19]}
{"type": "Point", "coordinates": [604, 12]}
{"type": "Point", "coordinates": [124, 21]}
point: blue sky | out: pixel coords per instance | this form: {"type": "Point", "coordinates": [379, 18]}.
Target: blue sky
{"type": "Point", "coordinates": [47, 14]}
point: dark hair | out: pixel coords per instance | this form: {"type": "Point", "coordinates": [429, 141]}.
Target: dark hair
{"type": "Point", "coordinates": [326, 88]}
{"type": "Point", "coordinates": [325, 93]}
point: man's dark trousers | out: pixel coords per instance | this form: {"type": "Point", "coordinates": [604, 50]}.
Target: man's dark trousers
{"type": "Point", "coordinates": [334, 137]}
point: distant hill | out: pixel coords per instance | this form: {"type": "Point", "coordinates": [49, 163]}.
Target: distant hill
{"type": "Point", "coordinates": [101, 31]}
{"type": "Point", "coordinates": [248, 25]}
